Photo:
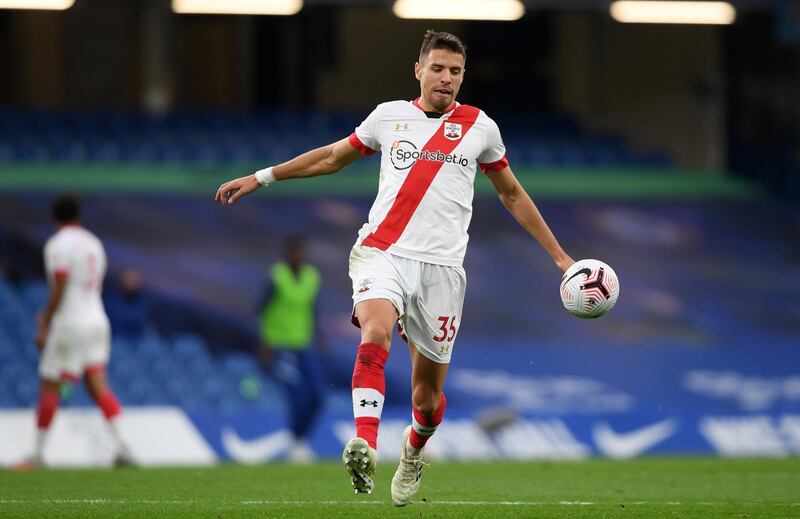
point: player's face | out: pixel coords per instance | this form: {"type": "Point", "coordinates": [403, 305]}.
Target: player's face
{"type": "Point", "coordinates": [440, 74]}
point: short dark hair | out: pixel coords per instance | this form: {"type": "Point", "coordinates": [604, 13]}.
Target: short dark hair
{"type": "Point", "coordinates": [66, 208]}
{"type": "Point", "coordinates": [441, 40]}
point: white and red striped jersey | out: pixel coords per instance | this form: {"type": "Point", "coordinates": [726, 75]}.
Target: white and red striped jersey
{"type": "Point", "coordinates": [78, 253]}
{"type": "Point", "coordinates": [428, 166]}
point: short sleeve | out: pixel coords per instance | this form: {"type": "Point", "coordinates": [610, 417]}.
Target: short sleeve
{"type": "Point", "coordinates": [56, 260]}
{"type": "Point", "coordinates": [493, 156]}
{"type": "Point", "coordinates": [366, 138]}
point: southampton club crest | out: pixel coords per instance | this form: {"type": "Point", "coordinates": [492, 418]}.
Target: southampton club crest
{"type": "Point", "coordinates": [452, 131]}
{"type": "Point", "coordinates": [365, 284]}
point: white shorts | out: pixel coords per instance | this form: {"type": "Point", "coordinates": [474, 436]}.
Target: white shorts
{"type": "Point", "coordinates": [74, 346]}
{"type": "Point", "coordinates": [428, 297]}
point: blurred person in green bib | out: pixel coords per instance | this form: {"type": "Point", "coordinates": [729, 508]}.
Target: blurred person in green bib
{"type": "Point", "coordinates": [289, 330]}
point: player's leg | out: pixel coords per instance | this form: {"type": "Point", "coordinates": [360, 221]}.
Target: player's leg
{"type": "Point", "coordinates": [379, 293]}
{"type": "Point", "coordinates": [97, 385]}
{"type": "Point", "coordinates": [428, 404]}
{"type": "Point", "coordinates": [430, 326]}
{"type": "Point", "coordinates": [57, 362]}
{"type": "Point", "coordinates": [284, 370]}
{"type": "Point", "coordinates": [301, 380]}
{"type": "Point", "coordinates": [315, 378]}
{"type": "Point", "coordinates": [45, 411]}
{"type": "Point", "coordinates": [95, 340]}
{"type": "Point", "coordinates": [376, 318]}
{"type": "Point", "coordinates": [427, 400]}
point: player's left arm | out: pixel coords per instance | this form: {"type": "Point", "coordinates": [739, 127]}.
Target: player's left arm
{"type": "Point", "coordinates": [53, 302]}
{"type": "Point", "coordinates": [522, 208]}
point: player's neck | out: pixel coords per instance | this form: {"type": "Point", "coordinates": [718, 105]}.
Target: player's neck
{"type": "Point", "coordinates": [68, 225]}
{"type": "Point", "coordinates": [427, 107]}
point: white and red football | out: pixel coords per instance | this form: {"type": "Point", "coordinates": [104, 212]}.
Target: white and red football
{"type": "Point", "coordinates": [589, 289]}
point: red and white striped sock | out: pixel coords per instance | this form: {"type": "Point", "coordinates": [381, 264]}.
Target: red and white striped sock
{"type": "Point", "coordinates": [422, 428]}
{"type": "Point", "coordinates": [108, 403]}
{"type": "Point", "coordinates": [369, 389]}
{"type": "Point", "coordinates": [48, 405]}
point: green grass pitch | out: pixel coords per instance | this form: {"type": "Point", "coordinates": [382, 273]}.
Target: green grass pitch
{"type": "Point", "coordinates": [657, 488]}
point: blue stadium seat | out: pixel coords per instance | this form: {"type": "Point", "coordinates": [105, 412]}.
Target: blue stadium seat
{"type": "Point", "coordinates": [27, 391]}
{"type": "Point", "coordinates": [33, 295]}
{"type": "Point", "coordinates": [238, 365]}
{"type": "Point", "coordinates": [139, 392]}
{"type": "Point", "coordinates": [188, 347]}
{"type": "Point", "coordinates": [210, 137]}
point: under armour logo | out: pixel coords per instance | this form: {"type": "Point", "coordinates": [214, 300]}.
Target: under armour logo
{"type": "Point", "coordinates": [398, 126]}
{"type": "Point", "coordinates": [365, 403]}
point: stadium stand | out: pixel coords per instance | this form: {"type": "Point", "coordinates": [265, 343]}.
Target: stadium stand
{"type": "Point", "coordinates": [269, 136]}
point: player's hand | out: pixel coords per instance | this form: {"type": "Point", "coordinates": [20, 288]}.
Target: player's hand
{"type": "Point", "coordinates": [41, 337]}
{"type": "Point", "coordinates": [232, 190]}
{"type": "Point", "coordinates": [564, 262]}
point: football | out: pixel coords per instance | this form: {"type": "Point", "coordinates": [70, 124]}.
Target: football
{"type": "Point", "coordinates": [589, 289]}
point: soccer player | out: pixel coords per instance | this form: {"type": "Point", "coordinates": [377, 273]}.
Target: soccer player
{"type": "Point", "coordinates": [406, 265]}
{"type": "Point", "coordinates": [73, 330]}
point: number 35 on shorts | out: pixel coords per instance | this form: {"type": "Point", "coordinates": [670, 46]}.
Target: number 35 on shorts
{"type": "Point", "coordinates": [448, 332]}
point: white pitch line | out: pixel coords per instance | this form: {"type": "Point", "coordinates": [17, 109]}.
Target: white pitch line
{"type": "Point", "coordinates": [366, 503]}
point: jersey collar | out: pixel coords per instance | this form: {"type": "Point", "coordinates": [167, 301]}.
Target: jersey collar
{"type": "Point", "coordinates": [452, 107]}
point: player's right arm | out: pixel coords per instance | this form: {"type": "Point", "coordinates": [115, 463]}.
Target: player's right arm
{"type": "Point", "coordinates": [53, 302]}
{"type": "Point", "coordinates": [321, 161]}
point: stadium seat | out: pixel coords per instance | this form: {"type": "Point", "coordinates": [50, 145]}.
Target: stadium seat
{"type": "Point", "coordinates": [209, 137]}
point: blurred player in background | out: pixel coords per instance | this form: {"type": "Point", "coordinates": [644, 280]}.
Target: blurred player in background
{"type": "Point", "coordinates": [73, 331]}
{"type": "Point", "coordinates": [406, 265]}
{"type": "Point", "coordinates": [289, 330]}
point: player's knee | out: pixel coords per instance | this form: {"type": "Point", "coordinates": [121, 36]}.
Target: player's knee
{"type": "Point", "coordinates": [96, 388]}
{"type": "Point", "coordinates": [50, 386]}
{"type": "Point", "coordinates": [376, 334]}
{"type": "Point", "coordinates": [426, 400]}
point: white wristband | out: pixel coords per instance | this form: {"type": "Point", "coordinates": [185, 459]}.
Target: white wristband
{"type": "Point", "coordinates": [265, 176]}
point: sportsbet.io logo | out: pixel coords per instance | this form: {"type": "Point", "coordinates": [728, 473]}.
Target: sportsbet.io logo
{"type": "Point", "coordinates": [405, 154]}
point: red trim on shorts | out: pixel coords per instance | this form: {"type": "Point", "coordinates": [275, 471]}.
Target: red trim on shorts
{"type": "Point", "coordinates": [402, 332]}
{"type": "Point", "coordinates": [452, 107]}
{"type": "Point", "coordinates": [69, 377]}
{"type": "Point", "coordinates": [418, 180]}
{"type": "Point", "coordinates": [493, 167]}
{"type": "Point", "coordinates": [360, 146]}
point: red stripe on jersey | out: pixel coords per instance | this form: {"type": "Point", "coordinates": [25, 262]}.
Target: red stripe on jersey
{"type": "Point", "coordinates": [494, 166]}
{"type": "Point", "coordinates": [418, 181]}
{"type": "Point", "coordinates": [360, 146]}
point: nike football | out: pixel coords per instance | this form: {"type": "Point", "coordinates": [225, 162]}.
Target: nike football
{"type": "Point", "coordinates": [589, 289]}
